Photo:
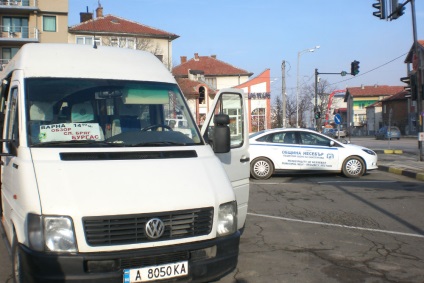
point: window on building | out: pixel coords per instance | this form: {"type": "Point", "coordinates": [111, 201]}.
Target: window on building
{"type": "Point", "coordinates": [49, 23]}
{"type": "Point", "coordinates": [202, 95]}
{"type": "Point", "coordinates": [7, 53]}
{"type": "Point", "coordinates": [258, 119]}
{"type": "Point", "coordinates": [87, 40]}
{"type": "Point", "coordinates": [14, 24]}
{"type": "Point", "coordinates": [211, 82]}
{"type": "Point", "coordinates": [131, 43]}
{"type": "Point", "coordinates": [114, 41]}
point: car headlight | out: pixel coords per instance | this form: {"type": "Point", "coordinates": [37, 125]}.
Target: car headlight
{"type": "Point", "coordinates": [369, 151]}
{"type": "Point", "coordinates": [56, 233]}
{"type": "Point", "coordinates": [227, 219]}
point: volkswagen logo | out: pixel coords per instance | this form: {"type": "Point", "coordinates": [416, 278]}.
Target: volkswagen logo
{"type": "Point", "coordinates": [154, 228]}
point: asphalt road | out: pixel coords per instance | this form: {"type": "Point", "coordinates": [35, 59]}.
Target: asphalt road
{"type": "Point", "coordinates": [332, 229]}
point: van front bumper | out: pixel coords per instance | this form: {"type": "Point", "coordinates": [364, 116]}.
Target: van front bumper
{"type": "Point", "coordinates": [207, 261]}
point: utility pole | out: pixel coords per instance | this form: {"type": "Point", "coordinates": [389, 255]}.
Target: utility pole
{"type": "Point", "coordinates": [283, 91]}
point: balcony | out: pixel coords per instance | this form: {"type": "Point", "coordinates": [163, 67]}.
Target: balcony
{"type": "Point", "coordinates": [18, 6]}
{"type": "Point", "coordinates": [18, 35]}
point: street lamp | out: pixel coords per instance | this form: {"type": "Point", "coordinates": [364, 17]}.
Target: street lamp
{"type": "Point", "coordinates": [297, 87]}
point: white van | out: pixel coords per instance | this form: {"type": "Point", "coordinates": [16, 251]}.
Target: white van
{"type": "Point", "coordinates": [96, 187]}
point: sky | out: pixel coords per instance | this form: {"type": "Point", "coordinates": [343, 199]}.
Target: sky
{"type": "Point", "coordinates": [256, 35]}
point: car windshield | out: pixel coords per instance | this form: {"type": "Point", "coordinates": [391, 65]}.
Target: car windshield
{"type": "Point", "coordinates": [98, 113]}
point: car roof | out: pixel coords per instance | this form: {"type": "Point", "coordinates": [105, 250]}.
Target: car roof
{"type": "Point", "coordinates": [269, 131]}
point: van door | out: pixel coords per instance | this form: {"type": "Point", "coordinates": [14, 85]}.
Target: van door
{"type": "Point", "coordinates": [9, 160]}
{"type": "Point", "coordinates": [235, 162]}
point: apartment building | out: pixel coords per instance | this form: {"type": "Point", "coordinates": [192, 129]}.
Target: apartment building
{"type": "Point", "coordinates": [26, 21]}
{"type": "Point", "coordinates": [111, 30]}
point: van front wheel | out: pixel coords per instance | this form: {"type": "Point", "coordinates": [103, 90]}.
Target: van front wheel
{"type": "Point", "coordinates": [16, 262]}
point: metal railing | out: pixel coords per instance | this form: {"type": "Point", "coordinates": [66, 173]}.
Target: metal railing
{"type": "Point", "coordinates": [18, 32]}
{"type": "Point", "coordinates": [19, 3]}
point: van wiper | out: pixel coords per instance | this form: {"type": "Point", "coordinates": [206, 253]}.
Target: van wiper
{"type": "Point", "coordinates": [161, 143]}
{"type": "Point", "coordinates": [78, 142]}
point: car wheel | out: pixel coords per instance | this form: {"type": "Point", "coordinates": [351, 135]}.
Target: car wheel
{"type": "Point", "coordinates": [353, 167]}
{"type": "Point", "coordinates": [261, 168]}
{"type": "Point", "coordinates": [16, 262]}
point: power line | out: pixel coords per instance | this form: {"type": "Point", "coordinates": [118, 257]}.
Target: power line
{"type": "Point", "coordinates": [371, 69]}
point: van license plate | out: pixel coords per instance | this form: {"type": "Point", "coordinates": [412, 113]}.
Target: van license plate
{"type": "Point", "coordinates": [157, 272]}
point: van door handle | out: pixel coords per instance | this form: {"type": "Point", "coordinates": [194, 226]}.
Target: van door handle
{"type": "Point", "coordinates": [244, 159]}
{"type": "Point", "coordinates": [15, 165]}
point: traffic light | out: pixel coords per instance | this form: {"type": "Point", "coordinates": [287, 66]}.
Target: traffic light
{"type": "Point", "coordinates": [317, 115]}
{"type": "Point", "coordinates": [381, 9]}
{"type": "Point", "coordinates": [411, 85]}
{"type": "Point", "coordinates": [397, 10]}
{"type": "Point", "coordinates": [354, 68]}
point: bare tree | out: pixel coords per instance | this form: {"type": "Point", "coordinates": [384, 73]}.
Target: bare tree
{"type": "Point", "coordinates": [277, 113]}
{"type": "Point", "coordinates": [291, 110]}
{"type": "Point", "coordinates": [323, 92]}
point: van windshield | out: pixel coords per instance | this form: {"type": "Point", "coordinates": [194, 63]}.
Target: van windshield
{"type": "Point", "coordinates": [95, 112]}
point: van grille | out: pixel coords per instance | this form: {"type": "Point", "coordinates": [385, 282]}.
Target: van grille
{"type": "Point", "coordinates": [130, 229]}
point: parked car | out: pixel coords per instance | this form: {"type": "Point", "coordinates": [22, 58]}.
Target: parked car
{"type": "Point", "coordinates": [329, 132]}
{"type": "Point", "coordinates": [384, 133]}
{"type": "Point", "coordinates": [340, 133]}
{"type": "Point", "coordinates": [301, 150]}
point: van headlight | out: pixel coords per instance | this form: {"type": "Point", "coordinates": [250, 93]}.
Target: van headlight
{"type": "Point", "coordinates": [53, 233]}
{"type": "Point", "coordinates": [227, 219]}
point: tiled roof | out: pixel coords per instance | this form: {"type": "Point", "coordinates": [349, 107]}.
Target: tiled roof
{"type": "Point", "coordinates": [110, 24]}
{"type": "Point", "coordinates": [210, 66]}
{"type": "Point", "coordinates": [369, 91]}
{"type": "Point", "coordinates": [191, 88]}
{"type": "Point", "coordinates": [398, 96]}
{"type": "Point", "coordinates": [375, 104]}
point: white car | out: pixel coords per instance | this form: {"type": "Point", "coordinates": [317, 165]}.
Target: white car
{"type": "Point", "coordinates": [290, 150]}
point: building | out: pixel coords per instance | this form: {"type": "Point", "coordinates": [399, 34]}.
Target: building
{"type": "Point", "coordinates": [202, 76]}
{"type": "Point", "coordinates": [415, 71]}
{"type": "Point", "coordinates": [110, 30]}
{"type": "Point", "coordinates": [31, 21]}
{"type": "Point", "coordinates": [395, 112]}
{"type": "Point", "coordinates": [374, 117]}
{"type": "Point", "coordinates": [258, 91]}
{"type": "Point", "coordinates": [358, 98]}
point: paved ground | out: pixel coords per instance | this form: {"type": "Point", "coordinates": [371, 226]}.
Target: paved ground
{"type": "Point", "coordinates": [404, 163]}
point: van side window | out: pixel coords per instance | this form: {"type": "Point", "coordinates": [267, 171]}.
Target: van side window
{"type": "Point", "coordinates": [13, 118]}
{"type": "Point", "coordinates": [231, 104]}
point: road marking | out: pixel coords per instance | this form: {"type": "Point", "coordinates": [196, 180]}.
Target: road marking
{"type": "Point", "coordinates": [337, 225]}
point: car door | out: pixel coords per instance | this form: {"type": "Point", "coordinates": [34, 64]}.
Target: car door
{"type": "Point", "coordinates": [283, 149]}
{"type": "Point", "coordinates": [236, 161]}
{"type": "Point", "coordinates": [318, 152]}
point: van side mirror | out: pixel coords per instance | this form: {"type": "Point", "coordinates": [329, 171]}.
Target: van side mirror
{"type": "Point", "coordinates": [221, 134]}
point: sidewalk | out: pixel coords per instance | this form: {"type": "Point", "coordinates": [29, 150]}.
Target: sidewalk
{"type": "Point", "coordinates": [401, 163]}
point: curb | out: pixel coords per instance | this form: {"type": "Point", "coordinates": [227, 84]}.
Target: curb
{"type": "Point", "coordinates": [398, 171]}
